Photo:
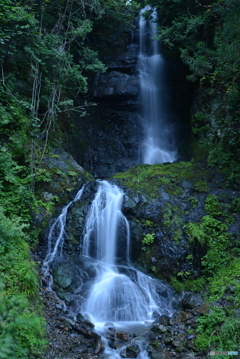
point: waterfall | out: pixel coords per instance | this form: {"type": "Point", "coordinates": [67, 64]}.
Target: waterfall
{"type": "Point", "coordinates": [102, 224]}
{"type": "Point", "coordinates": [114, 291]}
{"type": "Point", "coordinates": [120, 293]}
{"type": "Point", "coordinates": [56, 235]}
{"type": "Point", "coordinates": [158, 145]}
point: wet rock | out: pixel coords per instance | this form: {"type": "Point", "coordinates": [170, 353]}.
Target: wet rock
{"type": "Point", "coordinates": [84, 322]}
{"type": "Point", "coordinates": [80, 318]}
{"type": "Point", "coordinates": [132, 351]}
{"type": "Point", "coordinates": [112, 344]}
{"type": "Point", "coordinates": [63, 276]}
{"type": "Point", "coordinates": [109, 325]}
{"type": "Point", "coordinates": [164, 320]}
{"type": "Point", "coordinates": [159, 328]}
{"type": "Point", "coordinates": [155, 351]}
{"type": "Point", "coordinates": [123, 353]}
{"type": "Point", "coordinates": [190, 300]}
{"type": "Point", "coordinates": [121, 335]}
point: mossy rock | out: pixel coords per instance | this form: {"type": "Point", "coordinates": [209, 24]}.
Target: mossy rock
{"type": "Point", "coordinates": [148, 179]}
{"type": "Point", "coordinates": [161, 200]}
{"type": "Point", "coordinates": [58, 181]}
{"type": "Point", "coordinates": [66, 174]}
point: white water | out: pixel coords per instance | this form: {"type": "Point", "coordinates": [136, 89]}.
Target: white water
{"type": "Point", "coordinates": [56, 235]}
{"type": "Point", "coordinates": [101, 228]}
{"type": "Point", "coordinates": [158, 145]}
{"type": "Point", "coordinates": [120, 293]}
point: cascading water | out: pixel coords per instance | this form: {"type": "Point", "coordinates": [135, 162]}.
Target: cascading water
{"type": "Point", "coordinates": [158, 145]}
{"type": "Point", "coordinates": [116, 292]}
{"type": "Point", "coordinates": [56, 237]}
{"type": "Point", "coordinates": [120, 293]}
{"type": "Point", "coordinates": [102, 224]}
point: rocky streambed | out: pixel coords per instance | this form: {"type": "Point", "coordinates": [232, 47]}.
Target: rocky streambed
{"type": "Point", "coordinates": [166, 337]}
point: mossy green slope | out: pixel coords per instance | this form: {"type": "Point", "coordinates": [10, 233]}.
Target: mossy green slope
{"type": "Point", "coordinates": [149, 178]}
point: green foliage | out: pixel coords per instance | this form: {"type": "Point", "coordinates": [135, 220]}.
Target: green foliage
{"type": "Point", "coordinates": [226, 160]}
{"type": "Point", "coordinates": [212, 206]}
{"type": "Point", "coordinates": [214, 235]}
{"type": "Point", "coordinates": [148, 223]}
{"type": "Point", "coordinates": [148, 239]}
{"type": "Point", "coordinates": [201, 186]}
{"type": "Point", "coordinates": [182, 283]}
{"type": "Point", "coordinates": [218, 331]}
{"type": "Point", "coordinates": [193, 201]}
{"type": "Point", "coordinates": [226, 276]}
{"type": "Point", "coordinates": [199, 124]}
{"type": "Point", "coordinates": [206, 35]}
{"type": "Point", "coordinates": [16, 267]}
{"type": "Point", "coordinates": [22, 331]}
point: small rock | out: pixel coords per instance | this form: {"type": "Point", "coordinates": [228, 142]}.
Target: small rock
{"type": "Point", "coordinates": [109, 324]}
{"type": "Point", "coordinates": [204, 309]}
{"type": "Point", "coordinates": [123, 353]}
{"type": "Point", "coordinates": [132, 351]}
{"type": "Point", "coordinates": [80, 318]}
{"type": "Point", "coordinates": [182, 316]}
{"type": "Point", "coordinates": [121, 335]}
{"type": "Point", "coordinates": [164, 320]}
{"type": "Point", "coordinates": [88, 323]}
{"type": "Point", "coordinates": [112, 344]}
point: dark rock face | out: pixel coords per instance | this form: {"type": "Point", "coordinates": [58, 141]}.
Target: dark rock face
{"type": "Point", "coordinates": [67, 175]}
{"type": "Point", "coordinates": [159, 220]}
{"type": "Point", "coordinates": [114, 132]}
{"type": "Point", "coordinates": [117, 85]}
{"type": "Point", "coordinates": [160, 208]}
{"type": "Point", "coordinates": [62, 177]}
{"type": "Point", "coordinates": [109, 139]}
{"type": "Point", "coordinates": [114, 143]}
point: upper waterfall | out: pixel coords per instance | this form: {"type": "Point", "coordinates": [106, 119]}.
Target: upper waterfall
{"type": "Point", "coordinates": [158, 145]}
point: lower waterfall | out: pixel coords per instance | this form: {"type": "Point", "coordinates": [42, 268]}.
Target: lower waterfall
{"type": "Point", "coordinates": [117, 294]}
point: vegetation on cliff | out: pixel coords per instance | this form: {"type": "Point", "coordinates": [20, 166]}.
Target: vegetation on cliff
{"type": "Point", "coordinates": [189, 208]}
{"type": "Point", "coordinates": [206, 35]}
{"type": "Point", "coordinates": [46, 56]}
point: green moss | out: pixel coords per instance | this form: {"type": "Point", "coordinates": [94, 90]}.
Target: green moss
{"type": "Point", "coordinates": [201, 186]}
{"type": "Point", "coordinates": [149, 178]}
{"type": "Point", "coordinates": [193, 201]}
{"type": "Point", "coordinates": [172, 218]}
